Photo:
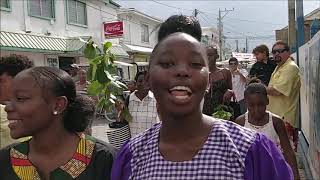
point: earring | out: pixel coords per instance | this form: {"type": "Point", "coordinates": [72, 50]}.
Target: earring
{"type": "Point", "coordinates": [55, 112]}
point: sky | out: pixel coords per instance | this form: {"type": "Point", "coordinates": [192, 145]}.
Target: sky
{"type": "Point", "coordinates": [249, 18]}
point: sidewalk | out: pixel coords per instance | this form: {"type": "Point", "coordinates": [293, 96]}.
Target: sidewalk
{"type": "Point", "coordinates": [99, 129]}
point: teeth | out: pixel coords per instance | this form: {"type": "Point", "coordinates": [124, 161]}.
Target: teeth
{"type": "Point", "coordinates": [13, 121]}
{"type": "Point", "coordinates": [181, 88]}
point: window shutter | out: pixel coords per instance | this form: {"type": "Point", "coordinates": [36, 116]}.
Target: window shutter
{"type": "Point", "coordinates": [81, 11]}
{"type": "Point", "coordinates": [35, 8]}
{"type": "Point", "coordinates": [72, 11]}
{"type": "Point", "coordinates": [4, 3]}
{"type": "Point", "coordinates": [46, 7]}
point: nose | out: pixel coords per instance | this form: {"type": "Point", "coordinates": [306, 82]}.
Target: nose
{"type": "Point", "coordinates": [182, 70]}
{"type": "Point", "coordinates": [9, 107]}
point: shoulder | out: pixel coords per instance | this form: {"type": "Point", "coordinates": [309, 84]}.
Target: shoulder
{"type": "Point", "coordinates": [237, 137]}
{"type": "Point", "coordinates": [240, 120]}
{"type": "Point", "coordinates": [291, 66]}
{"type": "Point", "coordinates": [137, 143]}
{"type": "Point", "coordinates": [101, 148]}
{"type": "Point", "coordinates": [277, 122]}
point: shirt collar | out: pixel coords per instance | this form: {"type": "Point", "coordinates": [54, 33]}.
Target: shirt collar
{"type": "Point", "coordinates": [135, 98]}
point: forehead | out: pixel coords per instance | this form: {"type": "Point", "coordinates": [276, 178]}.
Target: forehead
{"type": "Point", "coordinates": [278, 46]}
{"type": "Point", "coordinates": [25, 82]}
{"type": "Point", "coordinates": [177, 41]}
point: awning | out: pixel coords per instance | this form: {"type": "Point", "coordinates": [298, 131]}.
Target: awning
{"type": "Point", "coordinates": [140, 49]}
{"type": "Point", "coordinates": [118, 51]}
{"type": "Point", "coordinates": [39, 43]}
{"type": "Point", "coordinates": [123, 63]}
{"type": "Point", "coordinates": [142, 63]}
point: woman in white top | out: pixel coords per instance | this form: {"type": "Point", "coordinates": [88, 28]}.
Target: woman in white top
{"type": "Point", "coordinates": [265, 122]}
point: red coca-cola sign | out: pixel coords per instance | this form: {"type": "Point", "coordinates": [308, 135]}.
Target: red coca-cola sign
{"type": "Point", "coordinates": [113, 29]}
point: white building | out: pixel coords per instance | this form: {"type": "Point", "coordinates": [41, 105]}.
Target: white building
{"type": "Point", "coordinates": [139, 39]}
{"type": "Point", "coordinates": [210, 36]}
{"type": "Point", "coordinates": [48, 31]}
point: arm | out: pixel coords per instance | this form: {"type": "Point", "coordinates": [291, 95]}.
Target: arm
{"type": "Point", "coordinates": [264, 161]}
{"type": "Point", "coordinates": [273, 92]}
{"type": "Point", "coordinates": [229, 78]}
{"type": "Point", "coordinates": [229, 93]}
{"type": "Point", "coordinates": [285, 145]}
{"type": "Point", "coordinates": [121, 169]}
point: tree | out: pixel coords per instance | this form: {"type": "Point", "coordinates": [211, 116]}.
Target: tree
{"type": "Point", "coordinates": [101, 74]}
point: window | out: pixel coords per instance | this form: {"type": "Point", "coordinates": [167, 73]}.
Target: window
{"type": "Point", "coordinates": [77, 12]}
{"type": "Point", "coordinates": [144, 33]}
{"type": "Point", "coordinates": [5, 4]}
{"type": "Point", "coordinates": [41, 8]}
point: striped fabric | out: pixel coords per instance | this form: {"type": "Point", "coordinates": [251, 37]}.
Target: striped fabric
{"type": "Point", "coordinates": [118, 136]}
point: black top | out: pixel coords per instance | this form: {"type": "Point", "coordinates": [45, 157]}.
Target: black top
{"type": "Point", "coordinates": [98, 168]}
{"type": "Point", "coordinates": [263, 71]}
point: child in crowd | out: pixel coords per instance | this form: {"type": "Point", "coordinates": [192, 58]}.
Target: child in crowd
{"type": "Point", "coordinates": [260, 120]}
{"type": "Point", "coordinates": [187, 144]}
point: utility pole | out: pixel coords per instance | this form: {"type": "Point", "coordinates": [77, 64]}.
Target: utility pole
{"type": "Point", "coordinates": [220, 29]}
{"type": "Point", "coordinates": [292, 25]}
{"type": "Point", "coordinates": [237, 45]}
{"type": "Point", "coordinates": [247, 46]}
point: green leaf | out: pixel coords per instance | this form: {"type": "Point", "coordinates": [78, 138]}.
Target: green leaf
{"type": "Point", "coordinates": [96, 60]}
{"type": "Point", "coordinates": [100, 75]}
{"type": "Point", "coordinates": [122, 85]}
{"type": "Point", "coordinates": [126, 114]}
{"type": "Point", "coordinates": [109, 75]}
{"type": "Point", "coordinates": [106, 46]}
{"type": "Point", "coordinates": [101, 103]}
{"type": "Point", "coordinates": [90, 51]}
{"type": "Point", "coordinates": [94, 88]}
{"type": "Point", "coordinates": [106, 59]}
{"type": "Point", "coordinates": [113, 97]}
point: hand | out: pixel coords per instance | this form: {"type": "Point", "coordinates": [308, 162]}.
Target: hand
{"type": "Point", "coordinates": [228, 95]}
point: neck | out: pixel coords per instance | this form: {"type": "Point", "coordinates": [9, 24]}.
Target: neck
{"type": "Point", "coordinates": [141, 94]}
{"type": "Point", "coordinates": [177, 129]}
{"type": "Point", "coordinates": [261, 119]}
{"type": "Point", "coordinates": [58, 137]}
{"type": "Point", "coordinates": [265, 60]}
{"type": "Point", "coordinates": [213, 68]}
{"type": "Point", "coordinates": [283, 61]}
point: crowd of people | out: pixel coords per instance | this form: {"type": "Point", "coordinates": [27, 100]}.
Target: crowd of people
{"type": "Point", "coordinates": [172, 132]}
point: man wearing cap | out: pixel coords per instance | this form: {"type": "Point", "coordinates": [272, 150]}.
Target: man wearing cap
{"type": "Point", "coordinates": [74, 72]}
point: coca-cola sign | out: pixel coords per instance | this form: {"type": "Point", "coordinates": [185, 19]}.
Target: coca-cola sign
{"type": "Point", "coordinates": [113, 29]}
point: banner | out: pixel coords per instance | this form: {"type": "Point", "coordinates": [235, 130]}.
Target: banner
{"type": "Point", "coordinates": [113, 29]}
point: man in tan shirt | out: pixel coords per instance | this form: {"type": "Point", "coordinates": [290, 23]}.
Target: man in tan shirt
{"type": "Point", "coordinates": [9, 67]}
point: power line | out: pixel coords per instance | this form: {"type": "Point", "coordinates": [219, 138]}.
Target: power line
{"type": "Point", "coordinates": [174, 7]}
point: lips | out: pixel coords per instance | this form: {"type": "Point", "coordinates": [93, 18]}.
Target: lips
{"type": "Point", "coordinates": [180, 94]}
{"type": "Point", "coordinates": [13, 123]}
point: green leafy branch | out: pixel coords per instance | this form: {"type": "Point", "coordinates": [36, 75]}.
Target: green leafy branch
{"type": "Point", "coordinates": [101, 74]}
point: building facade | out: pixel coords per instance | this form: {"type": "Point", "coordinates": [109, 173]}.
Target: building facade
{"type": "Point", "coordinates": [139, 38]}
{"type": "Point", "coordinates": [48, 31]}
{"type": "Point", "coordinates": [282, 34]}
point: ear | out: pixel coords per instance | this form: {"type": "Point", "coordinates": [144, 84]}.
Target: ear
{"type": "Point", "coordinates": [60, 104]}
{"type": "Point", "coordinates": [209, 82]}
{"type": "Point", "coordinates": [267, 100]}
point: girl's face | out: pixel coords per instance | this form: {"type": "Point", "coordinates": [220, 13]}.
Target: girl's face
{"type": "Point", "coordinates": [256, 104]}
{"type": "Point", "coordinates": [28, 112]}
{"type": "Point", "coordinates": [178, 74]}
